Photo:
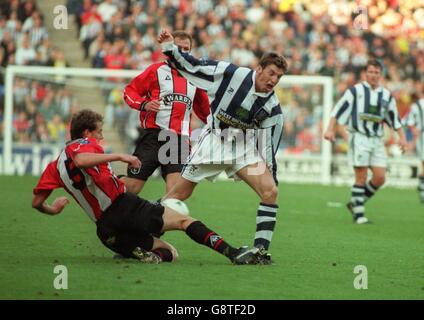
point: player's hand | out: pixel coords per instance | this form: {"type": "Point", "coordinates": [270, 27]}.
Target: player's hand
{"type": "Point", "coordinates": [165, 36]}
{"type": "Point", "coordinates": [133, 161]}
{"type": "Point", "coordinates": [329, 135]}
{"type": "Point", "coordinates": [402, 144]}
{"type": "Point", "coordinates": [58, 205]}
{"type": "Point", "coordinates": [152, 106]}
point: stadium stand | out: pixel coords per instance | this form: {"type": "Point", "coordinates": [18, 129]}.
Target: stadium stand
{"type": "Point", "coordinates": [42, 110]}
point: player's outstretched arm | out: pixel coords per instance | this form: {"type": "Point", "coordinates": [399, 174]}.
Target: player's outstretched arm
{"type": "Point", "coordinates": [39, 203]}
{"type": "Point", "coordinates": [89, 160]}
{"type": "Point", "coordinates": [201, 73]}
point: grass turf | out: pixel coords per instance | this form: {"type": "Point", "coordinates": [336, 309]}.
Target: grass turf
{"type": "Point", "coordinates": [315, 247]}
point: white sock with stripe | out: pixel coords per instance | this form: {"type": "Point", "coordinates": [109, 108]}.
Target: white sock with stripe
{"type": "Point", "coordinates": [358, 199]}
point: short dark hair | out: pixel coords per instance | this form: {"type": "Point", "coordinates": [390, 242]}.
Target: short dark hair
{"type": "Point", "coordinates": [84, 120]}
{"type": "Point", "coordinates": [374, 63]}
{"type": "Point", "coordinates": [183, 35]}
{"type": "Point", "coordinates": [274, 58]}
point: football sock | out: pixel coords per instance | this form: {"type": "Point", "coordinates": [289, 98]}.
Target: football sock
{"type": "Point", "coordinates": [165, 254]}
{"type": "Point", "coordinates": [421, 187]}
{"type": "Point", "coordinates": [203, 235]}
{"type": "Point", "coordinates": [265, 224]}
{"type": "Point", "coordinates": [370, 190]}
{"type": "Point", "coordinates": [358, 198]}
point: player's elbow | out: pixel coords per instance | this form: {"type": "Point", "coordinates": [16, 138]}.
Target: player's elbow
{"type": "Point", "coordinates": [80, 161]}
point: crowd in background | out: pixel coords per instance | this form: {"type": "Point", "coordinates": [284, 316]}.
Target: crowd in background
{"type": "Point", "coordinates": [42, 108]}
{"type": "Point", "coordinates": [321, 37]}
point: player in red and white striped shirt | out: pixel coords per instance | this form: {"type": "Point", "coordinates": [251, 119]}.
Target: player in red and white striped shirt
{"type": "Point", "coordinates": [165, 100]}
{"type": "Point", "coordinates": [125, 222]}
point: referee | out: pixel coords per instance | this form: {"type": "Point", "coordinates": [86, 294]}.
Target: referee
{"type": "Point", "coordinates": [364, 108]}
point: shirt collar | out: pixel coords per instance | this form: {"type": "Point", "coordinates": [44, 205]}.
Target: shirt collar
{"type": "Point", "coordinates": [378, 89]}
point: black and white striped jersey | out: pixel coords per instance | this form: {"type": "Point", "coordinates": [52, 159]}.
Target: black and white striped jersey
{"type": "Point", "coordinates": [233, 99]}
{"type": "Point", "coordinates": [364, 110]}
{"type": "Point", "coordinates": [416, 115]}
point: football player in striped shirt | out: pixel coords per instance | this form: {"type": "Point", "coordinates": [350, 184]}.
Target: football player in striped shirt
{"type": "Point", "coordinates": [165, 100]}
{"type": "Point", "coordinates": [244, 110]}
{"type": "Point", "coordinates": [126, 223]}
{"type": "Point", "coordinates": [364, 109]}
{"type": "Point", "coordinates": [415, 121]}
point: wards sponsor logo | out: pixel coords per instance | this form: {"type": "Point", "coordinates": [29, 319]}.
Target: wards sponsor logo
{"type": "Point", "coordinates": [176, 97]}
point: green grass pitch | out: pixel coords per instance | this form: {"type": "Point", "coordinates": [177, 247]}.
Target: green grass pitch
{"type": "Point", "coordinates": [315, 247]}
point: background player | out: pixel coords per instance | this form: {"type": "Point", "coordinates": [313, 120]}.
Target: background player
{"type": "Point", "coordinates": [364, 108]}
{"type": "Point", "coordinates": [165, 100]}
{"type": "Point", "coordinates": [241, 99]}
{"type": "Point", "coordinates": [125, 222]}
{"type": "Point", "coordinates": [415, 121]}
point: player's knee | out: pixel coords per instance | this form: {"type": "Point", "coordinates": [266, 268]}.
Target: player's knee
{"type": "Point", "coordinates": [180, 194]}
{"type": "Point", "coordinates": [270, 194]}
{"type": "Point", "coordinates": [185, 221]}
{"type": "Point", "coordinates": [379, 181]}
{"type": "Point", "coordinates": [174, 253]}
{"type": "Point", "coordinates": [133, 185]}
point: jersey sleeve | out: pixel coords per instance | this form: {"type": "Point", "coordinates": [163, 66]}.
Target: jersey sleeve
{"type": "Point", "coordinates": [84, 146]}
{"type": "Point", "coordinates": [392, 115]}
{"type": "Point", "coordinates": [135, 93]}
{"type": "Point", "coordinates": [343, 108]}
{"type": "Point", "coordinates": [49, 179]}
{"type": "Point", "coordinates": [202, 73]}
{"type": "Point", "coordinates": [201, 105]}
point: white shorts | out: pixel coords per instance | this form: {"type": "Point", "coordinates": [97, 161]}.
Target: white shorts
{"type": "Point", "coordinates": [213, 154]}
{"type": "Point", "coordinates": [366, 151]}
{"type": "Point", "coordinates": [420, 147]}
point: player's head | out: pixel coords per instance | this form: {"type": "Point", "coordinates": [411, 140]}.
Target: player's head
{"type": "Point", "coordinates": [182, 40]}
{"type": "Point", "coordinates": [272, 67]}
{"type": "Point", "coordinates": [373, 72]}
{"type": "Point", "coordinates": [86, 124]}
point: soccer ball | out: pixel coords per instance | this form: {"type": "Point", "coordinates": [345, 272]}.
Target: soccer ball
{"type": "Point", "coordinates": [176, 205]}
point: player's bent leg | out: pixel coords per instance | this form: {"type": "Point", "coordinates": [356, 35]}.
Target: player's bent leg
{"type": "Point", "coordinates": [134, 185]}
{"type": "Point", "coordinates": [181, 190]}
{"type": "Point", "coordinates": [378, 176]}
{"type": "Point", "coordinates": [171, 181]}
{"type": "Point", "coordinates": [172, 220]}
{"type": "Point", "coordinates": [164, 250]}
{"type": "Point", "coordinates": [258, 177]}
{"type": "Point", "coordinates": [264, 185]}
{"type": "Point", "coordinates": [201, 234]}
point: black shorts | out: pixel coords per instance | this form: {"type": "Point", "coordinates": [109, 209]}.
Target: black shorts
{"type": "Point", "coordinates": [172, 159]}
{"type": "Point", "coordinates": [128, 223]}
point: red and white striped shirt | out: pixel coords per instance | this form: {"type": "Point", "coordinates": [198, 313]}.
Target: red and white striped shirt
{"type": "Point", "coordinates": [94, 188]}
{"type": "Point", "coordinates": [178, 96]}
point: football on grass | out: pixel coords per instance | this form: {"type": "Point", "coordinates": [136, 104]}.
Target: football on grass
{"type": "Point", "coordinates": [176, 205]}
